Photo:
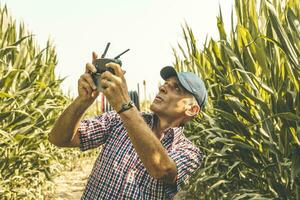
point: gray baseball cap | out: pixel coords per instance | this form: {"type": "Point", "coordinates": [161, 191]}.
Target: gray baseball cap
{"type": "Point", "coordinates": [189, 81]}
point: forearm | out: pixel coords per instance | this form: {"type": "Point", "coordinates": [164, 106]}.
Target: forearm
{"type": "Point", "coordinates": [148, 147]}
{"type": "Point", "coordinates": [66, 125]}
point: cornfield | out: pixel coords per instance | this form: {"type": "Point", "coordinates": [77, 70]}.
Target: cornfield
{"type": "Point", "coordinates": [30, 101]}
{"type": "Point", "coordinates": [250, 129]}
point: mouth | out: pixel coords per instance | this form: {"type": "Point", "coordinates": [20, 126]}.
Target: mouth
{"type": "Point", "coordinates": [158, 98]}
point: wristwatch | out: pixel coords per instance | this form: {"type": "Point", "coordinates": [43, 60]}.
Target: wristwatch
{"type": "Point", "coordinates": [126, 106]}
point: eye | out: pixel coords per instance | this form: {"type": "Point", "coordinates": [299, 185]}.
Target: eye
{"type": "Point", "coordinates": [177, 88]}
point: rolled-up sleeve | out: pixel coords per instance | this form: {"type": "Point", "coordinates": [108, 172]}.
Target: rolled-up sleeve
{"type": "Point", "coordinates": [188, 159]}
{"type": "Point", "coordinates": [93, 132]}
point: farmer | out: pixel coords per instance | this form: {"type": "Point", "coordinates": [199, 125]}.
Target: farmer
{"type": "Point", "coordinates": [144, 156]}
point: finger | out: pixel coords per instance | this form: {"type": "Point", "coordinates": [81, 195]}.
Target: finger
{"type": "Point", "coordinates": [111, 78]}
{"type": "Point", "coordinates": [86, 86]}
{"type": "Point", "coordinates": [95, 93]}
{"type": "Point", "coordinates": [109, 84]}
{"type": "Point", "coordinates": [88, 78]}
{"type": "Point", "coordinates": [107, 75]}
{"type": "Point", "coordinates": [106, 91]}
{"type": "Point", "coordinates": [116, 67]}
{"type": "Point", "coordinates": [95, 56]}
{"type": "Point", "coordinates": [104, 83]}
{"type": "Point", "coordinates": [90, 68]}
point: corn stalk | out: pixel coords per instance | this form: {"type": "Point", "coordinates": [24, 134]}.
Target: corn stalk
{"type": "Point", "coordinates": [250, 129]}
{"type": "Point", "coordinates": [30, 101]}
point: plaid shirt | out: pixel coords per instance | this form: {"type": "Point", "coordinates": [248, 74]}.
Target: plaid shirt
{"type": "Point", "coordinates": [118, 173]}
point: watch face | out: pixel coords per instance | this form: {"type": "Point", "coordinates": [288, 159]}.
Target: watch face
{"type": "Point", "coordinates": [126, 106]}
{"type": "Point", "coordinates": [129, 105]}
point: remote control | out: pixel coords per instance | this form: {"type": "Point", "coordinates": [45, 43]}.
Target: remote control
{"type": "Point", "coordinates": [101, 68]}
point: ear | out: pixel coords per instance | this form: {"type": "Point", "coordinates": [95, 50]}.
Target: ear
{"type": "Point", "coordinates": [192, 110]}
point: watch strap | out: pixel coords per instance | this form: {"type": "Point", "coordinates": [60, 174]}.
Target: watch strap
{"type": "Point", "coordinates": [126, 106]}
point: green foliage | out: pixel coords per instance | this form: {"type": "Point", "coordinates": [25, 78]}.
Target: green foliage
{"type": "Point", "coordinates": [30, 102]}
{"type": "Point", "coordinates": [250, 129]}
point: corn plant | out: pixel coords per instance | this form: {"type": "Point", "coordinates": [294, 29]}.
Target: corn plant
{"type": "Point", "coordinates": [250, 129]}
{"type": "Point", "coordinates": [30, 101]}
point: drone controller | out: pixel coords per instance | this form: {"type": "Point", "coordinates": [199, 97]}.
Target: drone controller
{"type": "Point", "coordinates": [101, 68]}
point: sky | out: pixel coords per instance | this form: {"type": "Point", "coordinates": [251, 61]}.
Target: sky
{"type": "Point", "coordinates": [149, 28]}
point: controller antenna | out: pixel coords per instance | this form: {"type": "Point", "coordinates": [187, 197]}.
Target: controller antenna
{"type": "Point", "coordinates": [105, 51]}
{"type": "Point", "coordinates": [118, 56]}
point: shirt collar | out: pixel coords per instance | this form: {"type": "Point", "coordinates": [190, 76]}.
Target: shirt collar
{"type": "Point", "coordinates": [174, 133]}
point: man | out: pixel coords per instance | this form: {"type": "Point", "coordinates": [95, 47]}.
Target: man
{"type": "Point", "coordinates": [144, 156]}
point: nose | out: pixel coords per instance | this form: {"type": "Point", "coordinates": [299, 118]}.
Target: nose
{"type": "Point", "coordinates": [162, 89]}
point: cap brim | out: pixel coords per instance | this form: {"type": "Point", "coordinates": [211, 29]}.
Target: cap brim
{"type": "Point", "coordinates": [168, 72]}
{"type": "Point", "coordinates": [183, 78]}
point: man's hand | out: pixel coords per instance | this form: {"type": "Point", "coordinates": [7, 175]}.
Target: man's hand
{"type": "Point", "coordinates": [115, 86]}
{"type": "Point", "coordinates": [87, 91]}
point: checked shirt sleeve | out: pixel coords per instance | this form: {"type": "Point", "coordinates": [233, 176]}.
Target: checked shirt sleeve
{"type": "Point", "coordinates": [94, 132]}
{"type": "Point", "coordinates": [188, 159]}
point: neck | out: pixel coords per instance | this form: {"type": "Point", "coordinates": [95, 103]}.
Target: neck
{"type": "Point", "coordinates": [162, 124]}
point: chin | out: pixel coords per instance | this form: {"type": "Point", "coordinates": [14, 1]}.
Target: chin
{"type": "Point", "coordinates": [154, 108]}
